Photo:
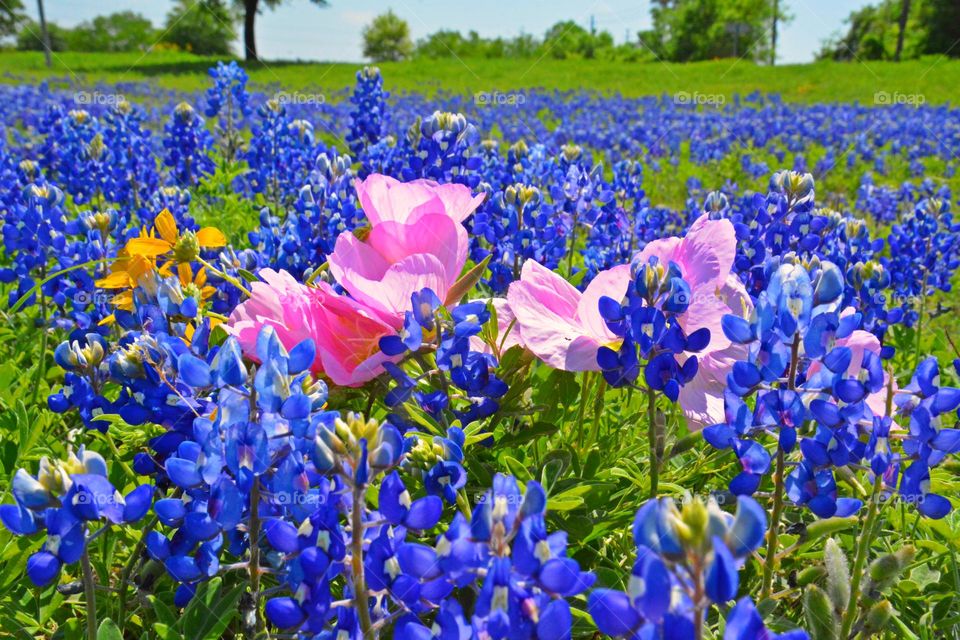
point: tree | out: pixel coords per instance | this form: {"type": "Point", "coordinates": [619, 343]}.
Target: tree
{"type": "Point", "coordinates": [121, 31]}
{"type": "Point", "coordinates": [901, 28]}
{"type": "Point", "coordinates": [250, 10]}
{"type": "Point", "coordinates": [29, 38]}
{"type": "Point", "coordinates": [11, 17]}
{"type": "Point", "coordinates": [941, 30]}
{"type": "Point", "coordinates": [689, 30]}
{"type": "Point", "coordinates": [204, 27]}
{"type": "Point", "coordinates": [387, 38]}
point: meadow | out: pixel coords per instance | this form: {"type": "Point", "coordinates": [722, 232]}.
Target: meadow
{"type": "Point", "coordinates": [671, 357]}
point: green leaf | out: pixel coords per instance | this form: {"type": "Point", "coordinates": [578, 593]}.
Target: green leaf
{"type": "Point", "coordinates": [109, 630]}
{"type": "Point", "coordinates": [526, 434]}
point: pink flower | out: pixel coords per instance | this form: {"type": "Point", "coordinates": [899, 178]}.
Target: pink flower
{"type": "Point", "coordinates": [557, 323]}
{"type": "Point", "coordinates": [281, 302]}
{"type": "Point", "coordinates": [349, 338]}
{"type": "Point", "coordinates": [705, 257]}
{"type": "Point", "coordinates": [386, 199]}
{"type": "Point", "coordinates": [416, 242]}
{"type": "Point", "coordinates": [702, 398]}
{"type": "Point", "coordinates": [399, 259]}
{"type": "Point", "coordinates": [345, 332]}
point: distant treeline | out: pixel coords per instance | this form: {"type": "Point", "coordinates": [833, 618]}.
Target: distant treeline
{"type": "Point", "coordinates": [898, 29]}
{"type": "Point", "coordinates": [204, 27]}
{"type": "Point", "coordinates": [682, 31]}
{"type": "Point", "coordinates": [563, 40]}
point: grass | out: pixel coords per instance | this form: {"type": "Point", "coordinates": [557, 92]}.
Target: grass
{"type": "Point", "coordinates": [934, 79]}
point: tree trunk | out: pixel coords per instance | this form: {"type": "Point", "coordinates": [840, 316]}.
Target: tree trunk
{"type": "Point", "coordinates": [44, 34]}
{"type": "Point", "coordinates": [773, 33]}
{"type": "Point", "coordinates": [902, 27]}
{"type": "Point", "coordinates": [249, 38]}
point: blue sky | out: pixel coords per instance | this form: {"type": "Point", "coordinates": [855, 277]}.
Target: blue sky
{"type": "Point", "coordinates": [299, 29]}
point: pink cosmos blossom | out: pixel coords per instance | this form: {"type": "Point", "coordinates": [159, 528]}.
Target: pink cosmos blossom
{"type": "Point", "coordinates": [705, 257]}
{"type": "Point", "coordinates": [417, 241]}
{"type": "Point", "coordinates": [345, 332]}
{"type": "Point", "coordinates": [398, 259]}
{"type": "Point", "coordinates": [349, 338]}
{"type": "Point", "coordinates": [557, 323]}
{"type": "Point", "coordinates": [386, 199]}
{"type": "Point", "coordinates": [281, 302]}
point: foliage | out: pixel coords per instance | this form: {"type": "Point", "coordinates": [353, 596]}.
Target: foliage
{"type": "Point", "coordinates": [29, 38]}
{"type": "Point", "coordinates": [205, 27]}
{"type": "Point", "coordinates": [11, 16]}
{"type": "Point", "coordinates": [872, 31]}
{"type": "Point", "coordinates": [387, 38]}
{"type": "Point", "coordinates": [120, 31]}
{"type": "Point", "coordinates": [688, 30]}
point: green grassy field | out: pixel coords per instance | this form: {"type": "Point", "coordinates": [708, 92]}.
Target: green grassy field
{"type": "Point", "coordinates": [936, 79]}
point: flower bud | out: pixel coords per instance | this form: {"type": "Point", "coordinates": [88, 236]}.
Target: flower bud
{"type": "Point", "coordinates": [818, 612]}
{"type": "Point", "coordinates": [877, 618]}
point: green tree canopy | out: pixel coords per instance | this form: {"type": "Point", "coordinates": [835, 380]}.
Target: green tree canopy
{"type": "Point", "coordinates": [387, 38]}
{"type": "Point", "coordinates": [689, 30]}
{"type": "Point", "coordinates": [932, 28]}
{"type": "Point", "coordinates": [11, 17]}
{"type": "Point", "coordinates": [205, 27]}
{"type": "Point", "coordinates": [121, 31]}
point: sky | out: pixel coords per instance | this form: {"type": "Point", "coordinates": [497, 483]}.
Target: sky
{"type": "Point", "coordinates": [298, 29]}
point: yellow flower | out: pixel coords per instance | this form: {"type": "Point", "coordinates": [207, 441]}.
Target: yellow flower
{"type": "Point", "coordinates": [185, 246]}
{"type": "Point", "coordinates": [139, 258]}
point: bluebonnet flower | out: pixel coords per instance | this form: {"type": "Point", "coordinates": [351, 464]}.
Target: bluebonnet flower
{"type": "Point", "coordinates": [186, 146]}
{"type": "Point", "coordinates": [457, 379]}
{"type": "Point", "coordinates": [441, 147]}
{"type": "Point", "coordinates": [228, 101]}
{"type": "Point", "coordinates": [63, 500]}
{"type": "Point", "coordinates": [524, 571]}
{"type": "Point", "coordinates": [132, 169]}
{"type": "Point", "coordinates": [687, 560]}
{"type": "Point", "coordinates": [280, 154]}
{"type": "Point", "coordinates": [647, 322]}
{"type": "Point", "coordinates": [368, 116]}
{"type": "Point", "coordinates": [924, 255]}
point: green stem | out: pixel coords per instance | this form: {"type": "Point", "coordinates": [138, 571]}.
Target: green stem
{"type": "Point", "coordinates": [582, 409]}
{"type": "Point", "coordinates": [773, 535]}
{"type": "Point", "coordinates": [863, 550]}
{"type": "Point", "coordinates": [42, 363]}
{"type": "Point", "coordinates": [226, 276]}
{"type": "Point", "coordinates": [360, 594]}
{"type": "Point", "coordinates": [254, 537]}
{"type": "Point", "coordinates": [652, 440]}
{"type": "Point", "coordinates": [128, 569]}
{"type": "Point", "coordinates": [573, 244]}
{"type": "Point", "coordinates": [597, 408]}
{"type": "Point", "coordinates": [89, 595]}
